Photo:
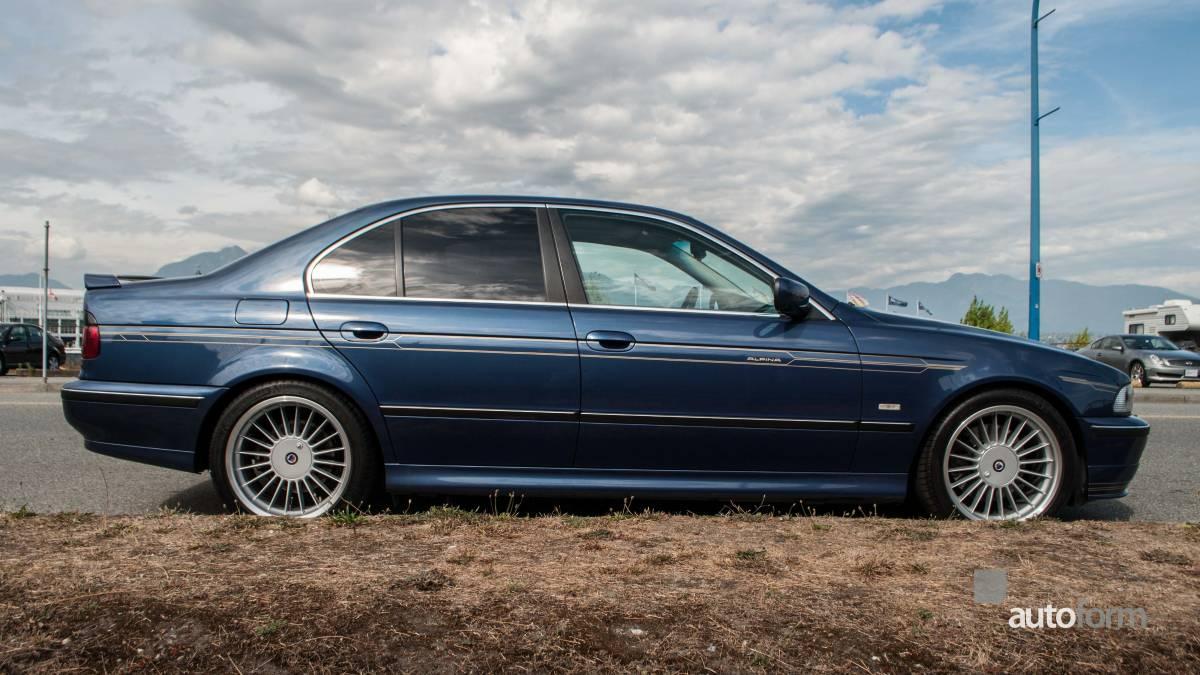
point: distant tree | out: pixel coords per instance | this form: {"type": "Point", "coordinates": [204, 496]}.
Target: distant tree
{"type": "Point", "coordinates": [1080, 340]}
{"type": "Point", "coordinates": [982, 315]}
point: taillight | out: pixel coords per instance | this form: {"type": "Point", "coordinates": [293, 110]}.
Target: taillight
{"type": "Point", "coordinates": [91, 341]}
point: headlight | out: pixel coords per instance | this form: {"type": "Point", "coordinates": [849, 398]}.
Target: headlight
{"type": "Point", "coordinates": [1123, 403]}
{"type": "Point", "coordinates": [1155, 360]}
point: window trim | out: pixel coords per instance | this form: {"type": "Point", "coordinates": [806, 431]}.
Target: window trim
{"type": "Point", "coordinates": [551, 290]}
{"type": "Point", "coordinates": [565, 250]}
{"type": "Point", "coordinates": [557, 231]}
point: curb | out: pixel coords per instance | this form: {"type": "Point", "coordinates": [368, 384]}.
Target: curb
{"type": "Point", "coordinates": [31, 387]}
{"type": "Point", "coordinates": [1140, 397]}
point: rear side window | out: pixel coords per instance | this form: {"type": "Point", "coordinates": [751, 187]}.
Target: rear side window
{"type": "Point", "coordinates": [365, 265]}
{"type": "Point", "coordinates": [473, 254]}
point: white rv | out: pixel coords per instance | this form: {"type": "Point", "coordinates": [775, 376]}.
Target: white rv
{"type": "Point", "coordinates": [1176, 320]}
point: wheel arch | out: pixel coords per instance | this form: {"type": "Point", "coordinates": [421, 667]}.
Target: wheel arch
{"type": "Point", "coordinates": [1054, 398]}
{"type": "Point", "coordinates": [237, 387]}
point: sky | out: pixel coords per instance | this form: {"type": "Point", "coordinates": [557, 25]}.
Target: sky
{"type": "Point", "coordinates": [863, 143]}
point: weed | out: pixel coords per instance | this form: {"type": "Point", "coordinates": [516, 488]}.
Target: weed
{"type": "Point", "coordinates": [597, 534]}
{"type": "Point", "coordinates": [874, 567]}
{"type": "Point", "coordinates": [23, 512]}
{"type": "Point", "coordinates": [751, 554]}
{"type": "Point", "coordinates": [918, 568]}
{"type": "Point", "coordinates": [347, 518]}
{"type": "Point", "coordinates": [924, 614]}
{"type": "Point", "coordinates": [270, 628]}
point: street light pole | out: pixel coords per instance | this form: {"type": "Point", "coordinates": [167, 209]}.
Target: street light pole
{"type": "Point", "coordinates": [1035, 189]}
{"type": "Point", "coordinates": [46, 303]}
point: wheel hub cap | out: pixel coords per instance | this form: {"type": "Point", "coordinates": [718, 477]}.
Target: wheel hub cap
{"type": "Point", "coordinates": [291, 458]}
{"type": "Point", "coordinates": [999, 466]}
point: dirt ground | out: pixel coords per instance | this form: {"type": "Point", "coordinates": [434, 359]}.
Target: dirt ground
{"type": "Point", "coordinates": [447, 590]}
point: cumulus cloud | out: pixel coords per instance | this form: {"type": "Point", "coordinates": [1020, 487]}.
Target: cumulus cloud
{"type": "Point", "coordinates": [834, 137]}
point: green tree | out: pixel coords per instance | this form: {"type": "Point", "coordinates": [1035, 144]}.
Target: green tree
{"type": "Point", "coordinates": [1080, 340]}
{"type": "Point", "coordinates": [982, 315]}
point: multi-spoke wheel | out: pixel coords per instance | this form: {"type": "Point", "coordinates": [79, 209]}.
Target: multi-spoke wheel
{"type": "Point", "coordinates": [1003, 455]}
{"type": "Point", "coordinates": [291, 449]}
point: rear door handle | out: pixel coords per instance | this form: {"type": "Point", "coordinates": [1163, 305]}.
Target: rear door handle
{"type": "Point", "coordinates": [610, 341]}
{"type": "Point", "coordinates": [364, 331]}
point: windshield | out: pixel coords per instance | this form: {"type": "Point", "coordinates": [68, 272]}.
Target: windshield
{"type": "Point", "coordinates": [1149, 343]}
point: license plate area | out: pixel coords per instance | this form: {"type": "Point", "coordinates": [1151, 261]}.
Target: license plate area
{"type": "Point", "coordinates": [1191, 372]}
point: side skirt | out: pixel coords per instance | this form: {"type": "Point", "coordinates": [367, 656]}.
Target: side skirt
{"type": "Point", "coordinates": [424, 479]}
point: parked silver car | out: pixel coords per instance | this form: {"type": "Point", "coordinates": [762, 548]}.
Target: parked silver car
{"type": "Point", "coordinates": [1149, 359]}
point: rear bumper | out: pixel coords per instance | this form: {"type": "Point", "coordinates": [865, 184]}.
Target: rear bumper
{"type": "Point", "coordinates": [1113, 447]}
{"type": "Point", "coordinates": [150, 423]}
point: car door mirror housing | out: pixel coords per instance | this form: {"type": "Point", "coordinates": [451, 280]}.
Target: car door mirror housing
{"type": "Point", "coordinates": [792, 298]}
{"type": "Point", "coordinates": [1119, 348]}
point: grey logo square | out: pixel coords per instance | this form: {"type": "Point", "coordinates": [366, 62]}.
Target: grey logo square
{"type": "Point", "coordinates": [991, 586]}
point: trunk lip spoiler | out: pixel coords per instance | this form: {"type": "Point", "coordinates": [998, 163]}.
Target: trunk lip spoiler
{"type": "Point", "coordinates": [95, 281]}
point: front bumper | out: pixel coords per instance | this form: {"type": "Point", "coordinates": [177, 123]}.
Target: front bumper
{"type": "Point", "coordinates": [155, 424]}
{"type": "Point", "coordinates": [1112, 447]}
{"type": "Point", "coordinates": [1171, 374]}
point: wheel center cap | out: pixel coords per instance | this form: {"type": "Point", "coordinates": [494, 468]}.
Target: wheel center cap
{"type": "Point", "coordinates": [291, 458]}
{"type": "Point", "coordinates": [999, 464]}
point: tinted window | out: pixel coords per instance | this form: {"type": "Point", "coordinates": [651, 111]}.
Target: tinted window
{"type": "Point", "coordinates": [16, 334]}
{"type": "Point", "coordinates": [1150, 342]}
{"type": "Point", "coordinates": [365, 265]}
{"type": "Point", "coordinates": [1169, 319]}
{"type": "Point", "coordinates": [632, 261]}
{"type": "Point", "coordinates": [35, 334]}
{"type": "Point", "coordinates": [473, 254]}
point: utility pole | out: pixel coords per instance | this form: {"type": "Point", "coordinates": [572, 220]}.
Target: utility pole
{"type": "Point", "coordinates": [1035, 190]}
{"type": "Point", "coordinates": [46, 304]}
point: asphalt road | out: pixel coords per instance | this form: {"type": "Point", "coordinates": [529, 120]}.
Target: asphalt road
{"type": "Point", "coordinates": [43, 466]}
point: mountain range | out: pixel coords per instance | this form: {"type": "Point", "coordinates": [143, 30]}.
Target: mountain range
{"type": "Point", "coordinates": [201, 263]}
{"type": "Point", "coordinates": [1067, 306]}
{"type": "Point", "coordinates": [30, 280]}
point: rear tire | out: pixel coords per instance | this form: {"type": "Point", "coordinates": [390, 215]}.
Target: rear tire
{"type": "Point", "coordinates": [293, 449]}
{"type": "Point", "coordinates": [3, 367]}
{"type": "Point", "coordinates": [1000, 455]}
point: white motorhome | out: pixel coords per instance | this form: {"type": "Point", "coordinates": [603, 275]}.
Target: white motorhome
{"type": "Point", "coordinates": [1176, 320]}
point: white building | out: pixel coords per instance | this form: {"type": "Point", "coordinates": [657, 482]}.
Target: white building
{"type": "Point", "coordinates": [1176, 320]}
{"type": "Point", "coordinates": [20, 304]}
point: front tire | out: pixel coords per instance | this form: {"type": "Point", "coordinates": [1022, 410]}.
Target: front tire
{"type": "Point", "coordinates": [999, 455]}
{"type": "Point", "coordinates": [53, 363]}
{"type": "Point", "coordinates": [294, 449]}
{"type": "Point", "coordinates": [1137, 374]}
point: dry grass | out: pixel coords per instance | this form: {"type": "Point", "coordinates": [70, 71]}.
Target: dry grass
{"type": "Point", "coordinates": [446, 590]}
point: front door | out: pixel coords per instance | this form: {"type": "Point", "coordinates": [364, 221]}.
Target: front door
{"type": "Point", "coordinates": [685, 363]}
{"type": "Point", "coordinates": [462, 332]}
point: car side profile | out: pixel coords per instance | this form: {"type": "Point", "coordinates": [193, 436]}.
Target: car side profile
{"type": "Point", "coordinates": [461, 345]}
{"type": "Point", "coordinates": [1149, 359]}
{"type": "Point", "coordinates": [21, 345]}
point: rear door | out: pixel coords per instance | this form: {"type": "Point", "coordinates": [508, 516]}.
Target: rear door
{"type": "Point", "coordinates": [685, 363]}
{"type": "Point", "coordinates": [456, 318]}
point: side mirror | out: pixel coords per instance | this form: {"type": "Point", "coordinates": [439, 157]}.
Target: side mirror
{"type": "Point", "coordinates": [1120, 348]}
{"type": "Point", "coordinates": [791, 298]}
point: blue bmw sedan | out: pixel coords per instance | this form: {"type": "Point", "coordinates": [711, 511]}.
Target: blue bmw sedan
{"type": "Point", "coordinates": [460, 345]}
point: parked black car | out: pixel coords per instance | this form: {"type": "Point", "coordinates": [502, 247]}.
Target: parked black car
{"type": "Point", "coordinates": [21, 343]}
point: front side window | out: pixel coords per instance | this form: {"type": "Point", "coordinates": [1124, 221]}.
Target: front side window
{"type": "Point", "coordinates": [365, 265]}
{"type": "Point", "coordinates": [16, 335]}
{"type": "Point", "coordinates": [473, 254]}
{"type": "Point", "coordinates": [637, 262]}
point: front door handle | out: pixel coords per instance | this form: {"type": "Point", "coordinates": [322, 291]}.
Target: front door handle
{"type": "Point", "coordinates": [610, 341]}
{"type": "Point", "coordinates": [364, 331]}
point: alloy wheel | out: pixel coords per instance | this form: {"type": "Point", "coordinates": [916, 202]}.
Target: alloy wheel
{"type": "Point", "coordinates": [1137, 373]}
{"type": "Point", "coordinates": [1002, 463]}
{"type": "Point", "coordinates": [288, 456]}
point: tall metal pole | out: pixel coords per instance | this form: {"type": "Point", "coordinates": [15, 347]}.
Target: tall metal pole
{"type": "Point", "coordinates": [45, 303]}
{"type": "Point", "coordinates": [1035, 188]}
